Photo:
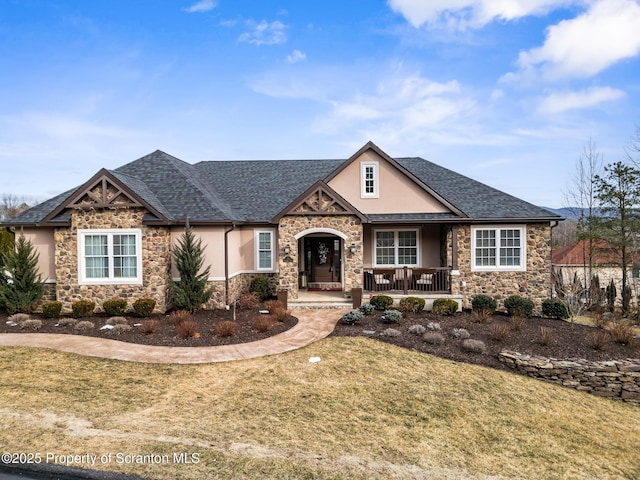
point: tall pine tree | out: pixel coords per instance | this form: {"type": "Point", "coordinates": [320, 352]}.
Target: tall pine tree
{"type": "Point", "coordinates": [191, 291]}
{"type": "Point", "coordinates": [21, 286]}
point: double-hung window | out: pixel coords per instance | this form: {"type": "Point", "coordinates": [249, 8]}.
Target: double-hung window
{"type": "Point", "coordinates": [396, 248]}
{"type": "Point", "coordinates": [498, 248]}
{"type": "Point", "coordinates": [109, 256]}
{"type": "Point", "coordinates": [264, 240]}
{"type": "Point", "coordinates": [369, 180]}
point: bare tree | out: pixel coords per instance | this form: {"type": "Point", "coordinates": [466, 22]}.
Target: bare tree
{"type": "Point", "coordinates": [581, 198]}
{"type": "Point", "coordinates": [11, 205]}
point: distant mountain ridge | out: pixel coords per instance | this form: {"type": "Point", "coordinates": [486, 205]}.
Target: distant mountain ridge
{"type": "Point", "coordinates": [570, 213]}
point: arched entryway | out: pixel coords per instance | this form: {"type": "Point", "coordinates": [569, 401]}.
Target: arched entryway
{"type": "Point", "coordinates": [321, 259]}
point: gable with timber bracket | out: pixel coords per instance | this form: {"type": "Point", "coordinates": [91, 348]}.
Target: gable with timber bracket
{"type": "Point", "coordinates": [320, 199]}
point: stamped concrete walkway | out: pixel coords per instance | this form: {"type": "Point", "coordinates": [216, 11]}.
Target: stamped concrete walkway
{"type": "Point", "coordinates": [312, 326]}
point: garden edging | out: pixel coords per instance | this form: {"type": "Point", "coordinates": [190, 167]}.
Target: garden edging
{"type": "Point", "coordinates": [619, 379]}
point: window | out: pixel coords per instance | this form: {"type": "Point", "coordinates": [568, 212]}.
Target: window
{"type": "Point", "coordinates": [109, 257]}
{"type": "Point", "coordinates": [369, 180]}
{"type": "Point", "coordinates": [499, 248]}
{"type": "Point", "coordinates": [396, 248]}
{"type": "Point", "coordinates": [264, 249]}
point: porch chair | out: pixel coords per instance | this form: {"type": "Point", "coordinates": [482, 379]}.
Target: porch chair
{"type": "Point", "coordinates": [380, 280]}
{"type": "Point", "coordinates": [423, 279]}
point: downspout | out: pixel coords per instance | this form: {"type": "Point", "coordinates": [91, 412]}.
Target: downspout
{"type": "Point", "coordinates": [226, 263]}
{"type": "Point", "coordinates": [551, 286]}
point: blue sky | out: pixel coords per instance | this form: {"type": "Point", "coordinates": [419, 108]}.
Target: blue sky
{"type": "Point", "coordinates": [507, 92]}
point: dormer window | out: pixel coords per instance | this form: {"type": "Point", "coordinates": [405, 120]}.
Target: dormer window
{"type": "Point", "coordinates": [369, 180]}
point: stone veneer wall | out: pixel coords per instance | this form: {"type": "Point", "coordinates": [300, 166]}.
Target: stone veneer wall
{"type": "Point", "coordinates": [290, 226]}
{"type": "Point", "coordinates": [534, 283]}
{"type": "Point", "coordinates": [238, 285]}
{"type": "Point", "coordinates": [156, 242]}
{"type": "Point", "coordinates": [612, 379]}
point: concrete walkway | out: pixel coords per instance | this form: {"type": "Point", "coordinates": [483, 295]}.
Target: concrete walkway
{"type": "Point", "coordinates": [312, 326]}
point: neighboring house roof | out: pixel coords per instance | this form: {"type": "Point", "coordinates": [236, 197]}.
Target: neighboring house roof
{"type": "Point", "coordinates": [258, 191]}
{"type": "Point", "coordinates": [577, 254]}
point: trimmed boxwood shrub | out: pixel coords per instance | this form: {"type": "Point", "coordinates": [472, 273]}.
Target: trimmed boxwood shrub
{"type": "Point", "coordinates": [481, 303]}
{"type": "Point", "coordinates": [555, 308]}
{"type": "Point", "coordinates": [82, 309]}
{"type": "Point", "coordinates": [444, 306]}
{"type": "Point", "coordinates": [143, 307]}
{"type": "Point", "coordinates": [411, 304]}
{"type": "Point", "coordinates": [381, 302]}
{"type": "Point", "coordinates": [260, 285]}
{"type": "Point", "coordinates": [367, 308]}
{"type": "Point", "coordinates": [518, 306]}
{"type": "Point", "coordinates": [352, 317]}
{"type": "Point", "coordinates": [51, 309]}
{"type": "Point", "coordinates": [114, 307]}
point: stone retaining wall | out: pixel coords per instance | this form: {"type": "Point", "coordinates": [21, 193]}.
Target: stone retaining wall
{"type": "Point", "coordinates": [618, 379]}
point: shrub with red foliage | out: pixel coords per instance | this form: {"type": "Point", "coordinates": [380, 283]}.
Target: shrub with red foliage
{"type": "Point", "coordinates": [249, 301]}
{"type": "Point", "coordinates": [180, 316]}
{"type": "Point", "coordinates": [226, 329]}
{"type": "Point", "coordinates": [186, 329]}
{"type": "Point", "coordinates": [149, 327]}
{"type": "Point", "coordinates": [263, 323]}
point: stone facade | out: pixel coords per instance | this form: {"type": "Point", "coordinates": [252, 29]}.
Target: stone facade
{"type": "Point", "coordinates": [534, 283]}
{"type": "Point", "coordinates": [618, 379]}
{"type": "Point", "coordinates": [156, 243]}
{"type": "Point", "coordinates": [292, 225]}
{"type": "Point", "coordinates": [238, 284]}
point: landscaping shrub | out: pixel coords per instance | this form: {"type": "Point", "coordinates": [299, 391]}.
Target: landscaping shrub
{"type": "Point", "coordinates": [19, 317]}
{"type": "Point", "coordinates": [391, 316]}
{"type": "Point", "coordinates": [598, 339]}
{"type": "Point", "coordinates": [352, 317]}
{"type": "Point", "coordinates": [481, 316]}
{"type": "Point", "coordinates": [460, 333]}
{"type": "Point", "coordinates": [116, 306]}
{"type": "Point", "coordinates": [391, 332]}
{"type": "Point", "coordinates": [444, 306]}
{"type": "Point", "coordinates": [411, 304]}
{"type": "Point", "coordinates": [192, 290]}
{"type": "Point", "coordinates": [143, 307]}
{"type": "Point", "coordinates": [226, 329]}
{"type": "Point", "coordinates": [474, 346]}
{"type": "Point", "coordinates": [277, 311]}
{"type": "Point", "coordinates": [31, 324]}
{"type": "Point", "coordinates": [547, 335]}
{"type": "Point", "coordinates": [260, 286]}
{"type": "Point", "coordinates": [433, 338]}
{"type": "Point", "coordinates": [149, 327]}
{"type": "Point", "coordinates": [381, 302]}
{"type": "Point", "coordinates": [517, 323]}
{"type": "Point", "coordinates": [84, 325]}
{"type": "Point", "coordinates": [555, 308]}
{"type": "Point", "coordinates": [519, 306]}
{"type": "Point", "coordinates": [417, 329]}
{"type": "Point", "coordinates": [51, 309]}
{"type": "Point", "coordinates": [249, 301]}
{"type": "Point", "coordinates": [599, 320]}
{"type": "Point", "coordinates": [187, 329]}
{"type": "Point", "coordinates": [367, 308]}
{"type": "Point", "coordinates": [262, 323]}
{"type": "Point", "coordinates": [21, 286]}
{"type": "Point", "coordinates": [117, 321]}
{"type": "Point", "coordinates": [434, 326]}
{"type": "Point", "coordinates": [499, 331]}
{"type": "Point", "coordinates": [178, 316]}
{"type": "Point", "coordinates": [121, 328]}
{"type": "Point", "coordinates": [67, 322]}
{"type": "Point", "coordinates": [611, 293]}
{"type": "Point", "coordinates": [621, 332]}
{"type": "Point", "coordinates": [82, 309]}
{"type": "Point", "coordinates": [484, 303]}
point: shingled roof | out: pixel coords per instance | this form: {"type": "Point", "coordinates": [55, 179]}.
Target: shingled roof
{"type": "Point", "coordinates": [256, 191]}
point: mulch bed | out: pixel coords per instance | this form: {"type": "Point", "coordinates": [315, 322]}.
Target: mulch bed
{"type": "Point", "coordinates": [569, 342]}
{"type": "Point", "coordinates": [165, 334]}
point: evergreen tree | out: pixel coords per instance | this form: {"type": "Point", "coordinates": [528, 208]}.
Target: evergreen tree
{"type": "Point", "coordinates": [6, 244]}
{"type": "Point", "coordinates": [191, 291]}
{"type": "Point", "coordinates": [21, 286]}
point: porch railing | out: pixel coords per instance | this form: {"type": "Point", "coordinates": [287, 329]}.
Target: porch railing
{"type": "Point", "coordinates": [408, 279]}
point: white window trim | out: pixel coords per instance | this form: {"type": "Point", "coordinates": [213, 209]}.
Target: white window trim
{"type": "Point", "coordinates": [376, 180]}
{"type": "Point", "coordinates": [256, 241]}
{"type": "Point", "coordinates": [499, 268]}
{"type": "Point", "coordinates": [396, 246]}
{"type": "Point", "coordinates": [83, 280]}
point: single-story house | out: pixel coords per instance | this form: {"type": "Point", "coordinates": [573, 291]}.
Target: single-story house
{"type": "Point", "coordinates": [370, 221]}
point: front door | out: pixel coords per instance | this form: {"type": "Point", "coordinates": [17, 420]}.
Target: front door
{"type": "Point", "coordinates": [324, 258]}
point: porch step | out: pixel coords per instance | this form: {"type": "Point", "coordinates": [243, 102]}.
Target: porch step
{"type": "Point", "coordinates": [315, 304]}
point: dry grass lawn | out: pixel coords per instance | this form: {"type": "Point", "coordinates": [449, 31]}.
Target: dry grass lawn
{"type": "Point", "coordinates": [367, 410]}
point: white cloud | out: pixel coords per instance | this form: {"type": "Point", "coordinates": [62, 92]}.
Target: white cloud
{"type": "Point", "coordinates": [201, 6]}
{"type": "Point", "coordinates": [461, 14]}
{"type": "Point", "coordinates": [296, 56]}
{"type": "Point", "coordinates": [584, 46]}
{"type": "Point", "coordinates": [264, 33]}
{"type": "Point", "coordinates": [562, 101]}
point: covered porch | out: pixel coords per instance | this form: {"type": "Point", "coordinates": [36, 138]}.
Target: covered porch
{"type": "Point", "coordinates": [408, 280]}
